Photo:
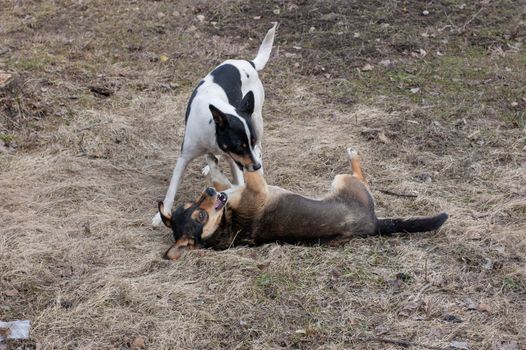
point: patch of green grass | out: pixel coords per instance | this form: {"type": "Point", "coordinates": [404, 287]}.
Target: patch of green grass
{"type": "Point", "coordinates": [514, 284]}
{"type": "Point", "coordinates": [362, 276]}
{"type": "Point", "coordinates": [6, 138]}
{"type": "Point", "coordinates": [26, 64]}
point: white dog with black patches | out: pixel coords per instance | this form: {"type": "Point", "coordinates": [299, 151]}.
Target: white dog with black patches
{"type": "Point", "coordinates": [224, 117]}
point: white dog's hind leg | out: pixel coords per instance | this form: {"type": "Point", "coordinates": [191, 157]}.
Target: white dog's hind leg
{"type": "Point", "coordinates": [177, 177]}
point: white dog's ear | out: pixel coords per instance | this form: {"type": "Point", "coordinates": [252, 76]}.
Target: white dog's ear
{"type": "Point", "coordinates": [247, 103]}
{"type": "Point", "coordinates": [167, 219]}
{"type": "Point", "coordinates": [220, 118]}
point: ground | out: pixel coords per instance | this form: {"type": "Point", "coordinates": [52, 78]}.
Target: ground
{"type": "Point", "coordinates": [432, 93]}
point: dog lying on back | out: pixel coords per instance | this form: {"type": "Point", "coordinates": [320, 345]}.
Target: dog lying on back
{"type": "Point", "coordinates": [224, 117]}
{"type": "Point", "coordinates": [256, 213]}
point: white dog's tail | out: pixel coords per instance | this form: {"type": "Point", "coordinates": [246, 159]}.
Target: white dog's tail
{"type": "Point", "coordinates": [264, 50]}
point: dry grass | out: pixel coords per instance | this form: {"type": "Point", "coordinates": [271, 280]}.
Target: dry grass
{"type": "Point", "coordinates": [80, 187]}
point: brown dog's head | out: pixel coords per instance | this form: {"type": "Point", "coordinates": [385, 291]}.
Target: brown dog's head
{"type": "Point", "coordinates": [194, 221]}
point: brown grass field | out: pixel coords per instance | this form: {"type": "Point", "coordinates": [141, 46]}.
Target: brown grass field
{"type": "Point", "coordinates": [432, 93]}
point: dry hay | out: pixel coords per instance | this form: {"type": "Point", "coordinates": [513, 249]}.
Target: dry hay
{"type": "Point", "coordinates": [78, 196]}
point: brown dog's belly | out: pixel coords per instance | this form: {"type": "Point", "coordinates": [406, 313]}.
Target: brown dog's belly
{"type": "Point", "coordinates": [293, 218]}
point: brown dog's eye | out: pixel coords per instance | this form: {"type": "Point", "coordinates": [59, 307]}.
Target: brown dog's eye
{"type": "Point", "coordinates": [202, 216]}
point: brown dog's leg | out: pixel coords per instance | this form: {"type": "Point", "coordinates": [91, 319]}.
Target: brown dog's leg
{"type": "Point", "coordinates": [356, 168]}
{"type": "Point", "coordinates": [352, 186]}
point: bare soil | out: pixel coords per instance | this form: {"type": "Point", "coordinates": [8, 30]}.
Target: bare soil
{"type": "Point", "coordinates": [433, 94]}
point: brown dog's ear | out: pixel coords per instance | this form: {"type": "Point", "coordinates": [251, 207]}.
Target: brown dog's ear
{"type": "Point", "coordinates": [167, 219]}
{"type": "Point", "coordinates": [174, 253]}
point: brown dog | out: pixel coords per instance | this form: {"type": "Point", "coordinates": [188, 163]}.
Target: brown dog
{"type": "Point", "coordinates": [257, 213]}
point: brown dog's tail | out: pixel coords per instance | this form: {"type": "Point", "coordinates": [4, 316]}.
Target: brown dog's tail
{"type": "Point", "coordinates": [414, 224]}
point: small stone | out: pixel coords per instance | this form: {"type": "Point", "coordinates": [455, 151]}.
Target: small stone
{"type": "Point", "coordinates": [514, 104]}
{"type": "Point", "coordinates": [425, 13]}
{"type": "Point", "coordinates": [257, 17]}
{"type": "Point", "coordinates": [470, 304]}
{"type": "Point", "coordinates": [312, 29]}
{"type": "Point", "coordinates": [277, 11]}
{"type": "Point", "coordinates": [293, 7]}
{"type": "Point", "coordinates": [414, 90]}
{"type": "Point", "coordinates": [462, 345]}
{"type": "Point", "coordinates": [200, 18]}
{"type": "Point", "coordinates": [367, 67]}
{"type": "Point", "coordinates": [385, 63]}
{"type": "Point", "coordinates": [11, 292]}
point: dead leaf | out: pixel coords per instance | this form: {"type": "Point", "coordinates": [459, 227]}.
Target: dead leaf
{"type": "Point", "coordinates": [5, 78]}
{"type": "Point", "coordinates": [138, 343]}
{"type": "Point", "coordinates": [452, 318]}
{"type": "Point", "coordinates": [163, 58]}
{"type": "Point", "coordinates": [11, 292]}
{"type": "Point", "coordinates": [383, 138]}
{"type": "Point", "coordinates": [459, 345]}
{"type": "Point", "coordinates": [485, 308]}
{"type": "Point", "coordinates": [263, 265]}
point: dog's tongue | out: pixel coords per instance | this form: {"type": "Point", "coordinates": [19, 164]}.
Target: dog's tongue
{"type": "Point", "coordinates": [218, 204]}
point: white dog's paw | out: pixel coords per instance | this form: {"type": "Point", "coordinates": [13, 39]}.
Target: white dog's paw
{"type": "Point", "coordinates": [206, 170]}
{"type": "Point", "coordinates": [156, 221]}
{"type": "Point", "coordinates": [351, 152]}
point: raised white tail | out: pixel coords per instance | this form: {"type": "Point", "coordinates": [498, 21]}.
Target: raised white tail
{"type": "Point", "coordinates": [264, 50]}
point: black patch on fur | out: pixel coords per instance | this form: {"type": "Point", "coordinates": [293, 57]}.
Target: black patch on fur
{"type": "Point", "coordinates": [232, 136]}
{"type": "Point", "coordinates": [191, 99]}
{"type": "Point", "coordinates": [252, 64]}
{"type": "Point", "coordinates": [229, 78]}
{"type": "Point", "coordinates": [183, 224]}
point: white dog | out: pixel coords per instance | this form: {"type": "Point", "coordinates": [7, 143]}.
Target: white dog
{"type": "Point", "coordinates": [224, 117]}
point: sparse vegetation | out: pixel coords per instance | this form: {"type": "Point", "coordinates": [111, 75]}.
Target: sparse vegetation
{"type": "Point", "coordinates": [435, 102]}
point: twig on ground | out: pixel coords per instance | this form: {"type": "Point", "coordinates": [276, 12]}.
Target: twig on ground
{"type": "Point", "coordinates": [404, 343]}
{"type": "Point", "coordinates": [398, 194]}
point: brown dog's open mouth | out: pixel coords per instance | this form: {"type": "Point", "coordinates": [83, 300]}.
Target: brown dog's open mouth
{"type": "Point", "coordinates": [221, 201]}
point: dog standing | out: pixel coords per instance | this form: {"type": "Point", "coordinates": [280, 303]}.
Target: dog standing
{"type": "Point", "coordinates": [224, 116]}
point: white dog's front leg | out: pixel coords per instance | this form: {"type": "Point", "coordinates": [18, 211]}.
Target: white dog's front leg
{"type": "Point", "coordinates": [259, 155]}
{"type": "Point", "coordinates": [177, 177]}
